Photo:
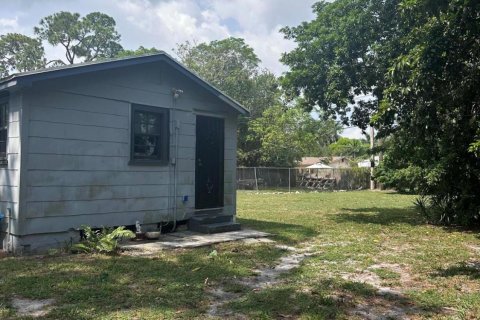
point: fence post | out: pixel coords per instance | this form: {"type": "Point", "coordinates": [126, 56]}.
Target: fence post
{"type": "Point", "coordinates": [289, 180]}
{"type": "Point", "coordinates": [255, 173]}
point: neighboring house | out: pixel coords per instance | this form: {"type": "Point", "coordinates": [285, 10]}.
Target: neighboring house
{"type": "Point", "coordinates": [333, 162]}
{"type": "Point", "coordinates": [112, 143]}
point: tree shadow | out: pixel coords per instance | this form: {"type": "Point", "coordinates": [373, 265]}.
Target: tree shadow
{"type": "Point", "coordinates": [92, 287]}
{"type": "Point", "coordinates": [328, 299]}
{"type": "Point", "coordinates": [284, 232]}
{"type": "Point", "coordinates": [471, 269]}
{"type": "Point", "coordinates": [378, 215]}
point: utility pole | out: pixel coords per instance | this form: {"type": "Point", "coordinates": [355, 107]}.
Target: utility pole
{"type": "Point", "coordinates": [372, 159]}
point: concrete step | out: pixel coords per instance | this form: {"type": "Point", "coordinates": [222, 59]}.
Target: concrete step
{"type": "Point", "coordinates": [208, 219]}
{"type": "Point", "coordinates": [209, 211]}
{"type": "Point", "coordinates": [216, 227]}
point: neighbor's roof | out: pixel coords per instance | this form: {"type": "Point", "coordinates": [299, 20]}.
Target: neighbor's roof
{"type": "Point", "coordinates": [319, 166]}
{"type": "Point", "coordinates": [307, 161]}
{"type": "Point", "coordinates": [26, 78]}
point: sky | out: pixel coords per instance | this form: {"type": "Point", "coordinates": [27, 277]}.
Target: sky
{"type": "Point", "coordinates": [165, 23]}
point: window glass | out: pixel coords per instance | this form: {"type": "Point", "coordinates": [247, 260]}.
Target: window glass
{"type": "Point", "coordinates": [149, 134]}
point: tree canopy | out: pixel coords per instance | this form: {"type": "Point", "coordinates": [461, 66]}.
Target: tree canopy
{"type": "Point", "coordinates": [232, 66]}
{"type": "Point", "coordinates": [84, 39]}
{"type": "Point", "coordinates": [91, 37]}
{"type": "Point", "coordinates": [340, 55]}
{"type": "Point", "coordinates": [354, 148]}
{"type": "Point", "coordinates": [419, 61]}
{"type": "Point", "coordinates": [138, 52]}
{"type": "Point", "coordinates": [19, 53]}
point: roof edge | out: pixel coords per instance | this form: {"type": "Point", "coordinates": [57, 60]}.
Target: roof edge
{"type": "Point", "coordinates": [27, 78]}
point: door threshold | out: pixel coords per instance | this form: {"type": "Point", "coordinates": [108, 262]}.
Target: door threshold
{"type": "Point", "coordinates": [216, 209]}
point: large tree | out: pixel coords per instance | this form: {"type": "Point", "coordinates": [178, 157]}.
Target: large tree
{"type": "Point", "coordinates": [432, 106]}
{"type": "Point", "coordinates": [89, 38]}
{"type": "Point", "coordinates": [232, 66]}
{"type": "Point", "coordinates": [19, 53]}
{"type": "Point", "coordinates": [419, 60]}
{"type": "Point", "coordinates": [340, 55]}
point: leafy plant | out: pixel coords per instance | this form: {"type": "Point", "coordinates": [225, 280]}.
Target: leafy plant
{"type": "Point", "coordinates": [101, 241]}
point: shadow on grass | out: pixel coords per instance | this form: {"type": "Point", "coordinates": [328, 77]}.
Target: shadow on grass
{"type": "Point", "coordinates": [284, 232]}
{"type": "Point", "coordinates": [470, 269]}
{"type": "Point", "coordinates": [327, 299]}
{"type": "Point", "coordinates": [92, 287]}
{"type": "Point", "coordinates": [379, 215]}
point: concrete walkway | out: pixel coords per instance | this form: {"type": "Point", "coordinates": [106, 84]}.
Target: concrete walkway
{"type": "Point", "coordinates": [189, 239]}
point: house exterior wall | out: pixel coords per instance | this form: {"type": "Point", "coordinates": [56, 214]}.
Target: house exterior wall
{"type": "Point", "coordinates": [77, 150]}
{"type": "Point", "coordinates": [10, 174]}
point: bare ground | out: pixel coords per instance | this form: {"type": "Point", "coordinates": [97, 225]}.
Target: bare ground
{"type": "Point", "coordinates": [263, 278]}
{"type": "Point", "coordinates": [32, 308]}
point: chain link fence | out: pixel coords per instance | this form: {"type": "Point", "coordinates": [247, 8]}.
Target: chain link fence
{"type": "Point", "coordinates": [297, 179]}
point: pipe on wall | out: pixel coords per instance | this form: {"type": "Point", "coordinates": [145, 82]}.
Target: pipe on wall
{"type": "Point", "coordinates": [9, 230]}
{"type": "Point", "coordinates": [176, 128]}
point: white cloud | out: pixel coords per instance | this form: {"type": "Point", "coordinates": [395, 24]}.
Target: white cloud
{"type": "Point", "coordinates": [269, 48]}
{"type": "Point", "coordinates": [164, 23]}
{"type": "Point", "coordinates": [8, 25]}
{"type": "Point", "coordinates": [260, 21]}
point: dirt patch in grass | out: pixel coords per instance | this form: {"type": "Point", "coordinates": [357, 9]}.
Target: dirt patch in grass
{"type": "Point", "coordinates": [263, 278]}
{"type": "Point", "coordinates": [388, 302]}
{"type": "Point", "coordinates": [474, 248]}
{"type": "Point", "coordinates": [32, 308]}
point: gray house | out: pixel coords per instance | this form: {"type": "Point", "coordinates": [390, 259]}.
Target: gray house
{"type": "Point", "coordinates": [112, 143]}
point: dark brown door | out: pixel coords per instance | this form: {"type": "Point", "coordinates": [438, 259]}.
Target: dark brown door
{"type": "Point", "coordinates": [209, 156]}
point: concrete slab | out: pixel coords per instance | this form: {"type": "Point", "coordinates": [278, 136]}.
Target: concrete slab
{"type": "Point", "coordinates": [189, 239]}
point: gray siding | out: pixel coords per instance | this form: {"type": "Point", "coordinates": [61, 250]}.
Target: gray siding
{"type": "Point", "coordinates": [78, 148]}
{"type": "Point", "coordinates": [10, 174]}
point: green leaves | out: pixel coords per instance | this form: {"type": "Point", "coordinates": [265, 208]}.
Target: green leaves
{"type": "Point", "coordinates": [91, 37]}
{"type": "Point", "coordinates": [102, 241]}
{"type": "Point", "coordinates": [354, 148]}
{"type": "Point", "coordinates": [338, 54]}
{"type": "Point", "coordinates": [286, 134]}
{"type": "Point", "coordinates": [19, 53]}
{"type": "Point", "coordinates": [139, 52]}
{"type": "Point", "coordinates": [421, 60]}
{"type": "Point", "coordinates": [232, 66]}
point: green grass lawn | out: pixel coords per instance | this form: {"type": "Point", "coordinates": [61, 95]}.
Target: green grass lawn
{"type": "Point", "coordinates": [352, 234]}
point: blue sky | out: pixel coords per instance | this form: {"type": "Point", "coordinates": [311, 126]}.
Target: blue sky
{"type": "Point", "coordinates": [164, 23]}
